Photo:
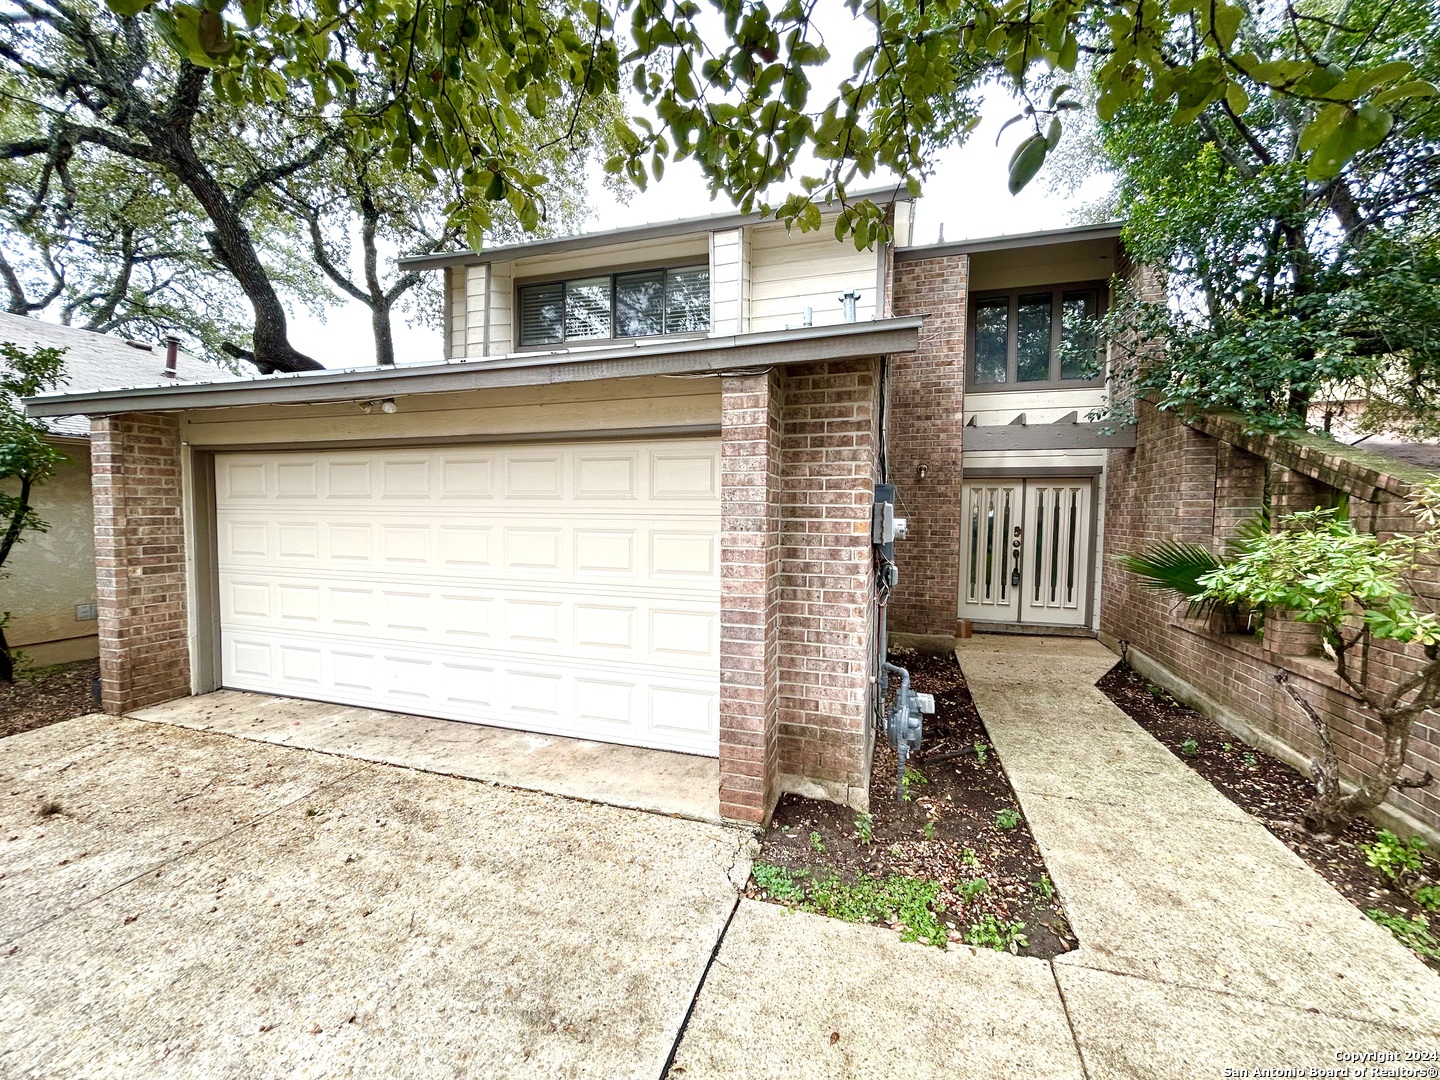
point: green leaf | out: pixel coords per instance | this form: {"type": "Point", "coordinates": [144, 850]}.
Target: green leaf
{"type": "Point", "coordinates": [128, 9]}
{"type": "Point", "coordinates": [1026, 162]}
{"type": "Point", "coordinates": [1413, 89]}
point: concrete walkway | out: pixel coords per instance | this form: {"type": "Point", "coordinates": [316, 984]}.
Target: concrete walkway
{"type": "Point", "coordinates": [678, 785]}
{"type": "Point", "coordinates": [1204, 941]}
{"type": "Point", "coordinates": [183, 905]}
{"type": "Point", "coordinates": [1205, 944]}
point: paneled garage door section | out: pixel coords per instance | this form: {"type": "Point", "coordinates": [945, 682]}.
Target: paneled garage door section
{"type": "Point", "coordinates": [569, 589]}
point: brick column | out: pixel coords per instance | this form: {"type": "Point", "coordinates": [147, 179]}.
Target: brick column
{"type": "Point", "coordinates": [926, 418]}
{"type": "Point", "coordinates": [139, 560]}
{"type": "Point", "coordinates": [827, 619]}
{"type": "Point", "coordinates": [749, 594]}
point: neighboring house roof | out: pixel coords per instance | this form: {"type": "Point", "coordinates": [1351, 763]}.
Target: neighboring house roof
{"type": "Point", "coordinates": [102, 361]}
{"type": "Point", "coordinates": [1108, 230]}
{"type": "Point", "coordinates": [693, 356]}
{"type": "Point", "coordinates": [629, 234]}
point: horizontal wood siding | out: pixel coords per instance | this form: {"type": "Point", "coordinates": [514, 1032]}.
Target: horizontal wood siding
{"type": "Point", "coordinates": [575, 407]}
{"type": "Point", "coordinates": [790, 271]}
{"type": "Point", "coordinates": [671, 251]}
{"type": "Point", "coordinates": [455, 316]}
{"type": "Point", "coordinates": [500, 338]}
{"type": "Point", "coordinates": [1039, 406]}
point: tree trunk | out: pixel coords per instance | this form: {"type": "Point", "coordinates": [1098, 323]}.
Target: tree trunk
{"type": "Point", "coordinates": [384, 335]}
{"type": "Point", "coordinates": [7, 662]}
{"type": "Point", "coordinates": [229, 239]}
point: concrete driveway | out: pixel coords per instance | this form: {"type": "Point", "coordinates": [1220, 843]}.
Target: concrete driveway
{"type": "Point", "coordinates": [174, 903]}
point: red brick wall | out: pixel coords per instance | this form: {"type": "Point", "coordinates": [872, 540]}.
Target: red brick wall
{"type": "Point", "coordinates": [749, 594]}
{"type": "Point", "coordinates": [1218, 485]}
{"type": "Point", "coordinates": [924, 423]}
{"type": "Point", "coordinates": [798, 452]}
{"type": "Point", "coordinates": [828, 453]}
{"type": "Point", "coordinates": [139, 560]}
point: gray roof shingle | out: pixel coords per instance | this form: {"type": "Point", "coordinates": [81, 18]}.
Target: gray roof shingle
{"type": "Point", "coordinates": [102, 362]}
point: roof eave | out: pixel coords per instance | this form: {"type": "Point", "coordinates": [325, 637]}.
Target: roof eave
{"type": "Point", "coordinates": [632, 234]}
{"type": "Point", "coordinates": [1109, 230]}
{"type": "Point", "coordinates": [698, 356]}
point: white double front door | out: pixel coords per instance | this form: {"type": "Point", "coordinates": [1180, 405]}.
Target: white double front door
{"type": "Point", "coordinates": [1025, 550]}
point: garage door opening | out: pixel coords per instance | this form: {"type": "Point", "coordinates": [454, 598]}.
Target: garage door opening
{"type": "Point", "coordinates": [571, 589]}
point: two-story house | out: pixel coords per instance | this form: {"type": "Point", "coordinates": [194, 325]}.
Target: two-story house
{"type": "Point", "coordinates": [633, 501]}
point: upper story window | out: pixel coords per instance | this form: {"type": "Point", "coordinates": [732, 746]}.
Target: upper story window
{"type": "Point", "coordinates": [1016, 338]}
{"type": "Point", "coordinates": [638, 303]}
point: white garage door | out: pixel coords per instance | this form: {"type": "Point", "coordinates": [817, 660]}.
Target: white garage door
{"type": "Point", "coordinates": [570, 589]}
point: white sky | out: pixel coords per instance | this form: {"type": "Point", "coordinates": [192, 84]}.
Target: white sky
{"type": "Point", "coordinates": [967, 195]}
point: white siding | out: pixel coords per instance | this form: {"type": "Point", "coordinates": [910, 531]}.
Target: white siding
{"type": "Point", "coordinates": [729, 282]}
{"type": "Point", "coordinates": [563, 407]}
{"type": "Point", "coordinates": [500, 332]}
{"type": "Point", "coordinates": [790, 271]}
{"type": "Point", "coordinates": [477, 282]}
{"type": "Point", "coordinates": [455, 316]}
{"type": "Point", "coordinates": [904, 224]}
{"type": "Point", "coordinates": [1039, 406]}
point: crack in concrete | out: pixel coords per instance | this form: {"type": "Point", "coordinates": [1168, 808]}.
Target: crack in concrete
{"type": "Point", "coordinates": [699, 987]}
{"type": "Point", "coordinates": [1069, 1021]}
{"type": "Point", "coordinates": [1234, 995]}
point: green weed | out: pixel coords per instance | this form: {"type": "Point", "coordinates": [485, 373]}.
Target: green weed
{"type": "Point", "coordinates": [1394, 858]}
{"type": "Point", "coordinates": [1428, 897]}
{"type": "Point", "coordinates": [817, 842]}
{"type": "Point", "coordinates": [982, 753]}
{"type": "Point", "coordinates": [929, 831]}
{"type": "Point", "coordinates": [1414, 933]}
{"type": "Point", "coordinates": [912, 777]}
{"type": "Point", "coordinates": [1007, 818]}
{"type": "Point", "coordinates": [1045, 887]}
{"type": "Point", "coordinates": [994, 933]}
{"type": "Point", "coordinates": [973, 888]}
{"type": "Point", "coordinates": [1190, 747]}
{"type": "Point", "coordinates": [865, 827]}
{"type": "Point", "coordinates": [908, 901]}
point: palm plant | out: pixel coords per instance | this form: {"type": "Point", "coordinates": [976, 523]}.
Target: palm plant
{"type": "Point", "coordinates": [1176, 566]}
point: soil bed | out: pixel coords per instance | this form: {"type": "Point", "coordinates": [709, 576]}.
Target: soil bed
{"type": "Point", "coordinates": [979, 878]}
{"type": "Point", "coordinates": [1269, 790]}
{"type": "Point", "coordinates": [47, 695]}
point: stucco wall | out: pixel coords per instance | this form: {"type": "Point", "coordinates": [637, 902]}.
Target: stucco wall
{"type": "Point", "coordinates": [50, 573]}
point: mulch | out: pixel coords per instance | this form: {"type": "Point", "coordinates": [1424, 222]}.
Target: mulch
{"type": "Point", "coordinates": [47, 696]}
{"type": "Point", "coordinates": [1268, 789]}
{"type": "Point", "coordinates": [959, 800]}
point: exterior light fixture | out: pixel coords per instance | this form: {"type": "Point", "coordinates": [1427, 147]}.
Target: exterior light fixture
{"type": "Point", "coordinates": [923, 470]}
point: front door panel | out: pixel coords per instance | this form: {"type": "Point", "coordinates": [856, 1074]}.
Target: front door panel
{"type": "Point", "coordinates": [1057, 552]}
{"type": "Point", "coordinates": [990, 560]}
{"type": "Point", "coordinates": [1025, 551]}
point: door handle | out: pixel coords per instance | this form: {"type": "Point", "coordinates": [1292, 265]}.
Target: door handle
{"type": "Point", "coordinates": [1015, 552]}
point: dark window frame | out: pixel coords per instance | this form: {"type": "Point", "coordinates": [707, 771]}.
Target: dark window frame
{"type": "Point", "coordinates": [1057, 293]}
{"type": "Point", "coordinates": [612, 274]}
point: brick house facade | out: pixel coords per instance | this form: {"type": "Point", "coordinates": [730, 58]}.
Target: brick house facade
{"type": "Point", "coordinates": [927, 416]}
{"type": "Point", "coordinates": [632, 491]}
